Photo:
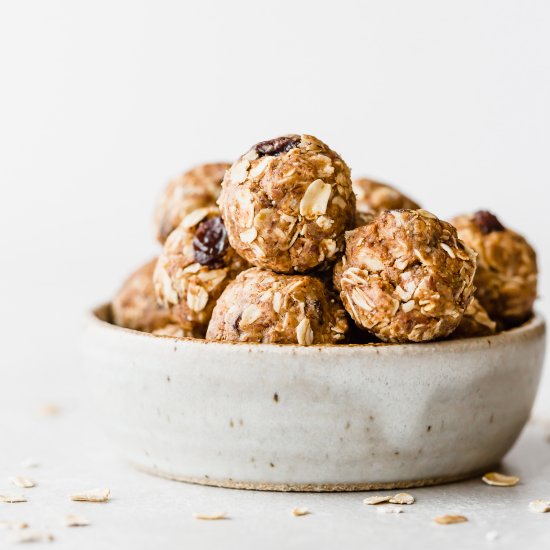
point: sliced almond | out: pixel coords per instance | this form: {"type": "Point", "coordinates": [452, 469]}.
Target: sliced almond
{"type": "Point", "coordinates": [277, 300]}
{"type": "Point", "coordinates": [239, 171]}
{"type": "Point", "coordinates": [376, 499]}
{"type": "Point", "coordinates": [315, 199]}
{"type": "Point", "coordinates": [450, 519]}
{"type": "Point", "coordinates": [23, 482]}
{"type": "Point", "coordinates": [250, 314]}
{"type": "Point", "coordinates": [371, 263]}
{"type": "Point", "coordinates": [304, 333]}
{"type": "Point", "coordinates": [260, 167]}
{"type": "Point", "coordinates": [300, 512]}
{"type": "Point", "coordinates": [92, 495]}
{"type": "Point", "coordinates": [192, 268]}
{"type": "Point", "coordinates": [402, 498]}
{"type": "Point", "coordinates": [500, 480]}
{"type": "Point", "coordinates": [245, 205]}
{"type": "Point", "coordinates": [12, 499]}
{"type": "Point", "coordinates": [169, 295]}
{"type": "Point", "coordinates": [249, 235]}
{"type": "Point", "coordinates": [196, 216]}
{"type": "Point", "coordinates": [449, 250]}
{"type": "Point", "coordinates": [197, 297]}
{"type": "Point", "coordinates": [211, 517]}
{"type": "Point", "coordinates": [540, 506]}
{"type": "Point", "coordinates": [72, 520]}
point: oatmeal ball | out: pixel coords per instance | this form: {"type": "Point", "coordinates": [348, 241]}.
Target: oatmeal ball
{"type": "Point", "coordinates": [195, 266]}
{"type": "Point", "coordinates": [263, 306]}
{"type": "Point", "coordinates": [506, 276]}
{"type": "Point", "coordinates": [135, 306]}
{"type": "Point", "coordinates": [406, 277]}
{"type": "Point", "coordinates": [374, 197]}
{"type": "Point", "coordinates": [476, 322]}
{"type": "Point", "coordinates": [286, 204]}
{"type": "Point", "coordinates": [198, 188]}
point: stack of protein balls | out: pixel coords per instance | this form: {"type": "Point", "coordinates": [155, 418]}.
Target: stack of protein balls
{"type": "Point", "coordinates": [281, 247]}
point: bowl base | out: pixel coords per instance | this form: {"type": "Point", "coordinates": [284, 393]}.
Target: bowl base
{"type": "Point", "coordinates": [313, 487]}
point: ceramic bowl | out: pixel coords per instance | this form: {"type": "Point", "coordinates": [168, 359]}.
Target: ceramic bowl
{"type": "Point", "coordinates": [318, 418]}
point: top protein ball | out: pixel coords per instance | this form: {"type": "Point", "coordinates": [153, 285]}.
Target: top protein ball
{"type": "Point", "coordinates": [406, 277]}
{"type": "Point", "coordinates": [374, 197]}
{"type": "Point", "coordinates": [197, 188]}
{"type": "Point", "coordinates": [286, 204]}
{"type": "Point", "coordinates": [506, 276]}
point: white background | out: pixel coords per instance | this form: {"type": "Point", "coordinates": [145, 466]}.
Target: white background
{"type": "Point", "coordinates": [101, 102]}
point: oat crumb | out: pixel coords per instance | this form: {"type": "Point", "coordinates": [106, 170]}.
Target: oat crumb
{"type": "Point", "coordinates": [12, 498]}
{"type": "Point", "coordinates": [212, 517]}
{"type": "Point", "coordinates": [500, 480]}
{"type": "Point", "coordinates": [389, 510]}
{"type": "Point", "coordinates": [377, 499]}
{"type": "Point", "coordinates": [540, 506]}
{"type": "Point", "coordinates": [402, 498]}
{"type": "Point", "coordinates": [23, 482]}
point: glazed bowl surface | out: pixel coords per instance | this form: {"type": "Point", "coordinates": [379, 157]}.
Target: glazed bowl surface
{"type": "Point", "coordinates": [317, 418]}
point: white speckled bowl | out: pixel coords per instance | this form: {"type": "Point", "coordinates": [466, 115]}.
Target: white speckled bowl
{"type": "Point", "coordinates": [319, 418]}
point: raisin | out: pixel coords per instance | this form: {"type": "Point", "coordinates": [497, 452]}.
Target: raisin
{"type": "Point", "coordinates": [487, 222]}
{"type": "Point", "coordinates": [277, 146]}
{"type": "Point", "coordinates": [210, 242]}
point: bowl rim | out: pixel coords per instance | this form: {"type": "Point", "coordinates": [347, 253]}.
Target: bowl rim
{"type": "Point", "coordinates": [535, 325]}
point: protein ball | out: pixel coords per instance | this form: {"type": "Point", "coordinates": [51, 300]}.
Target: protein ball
{"type": "Point", "coordinates": [476, 322]}
{"type": "Point", "coordinates": [197, 188]}
{"type": "Point", "coordinates": [406, 277]}
{"type": "Point", "coordinates": [374, 197]}
{"type": "Point", "coordinates": [286, 204]}
{"type": "Point", "coordinates": [135, 306]}
{"type": "Point", "coordinates": [266, 307]}
{"type": "Point", "coordinates": [506, 277]}
{"type": "Point", "coordinates": [197, 263]}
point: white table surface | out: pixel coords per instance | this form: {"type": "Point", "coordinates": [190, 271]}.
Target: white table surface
{"type": "Point", "coordinates": [145, 511]}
